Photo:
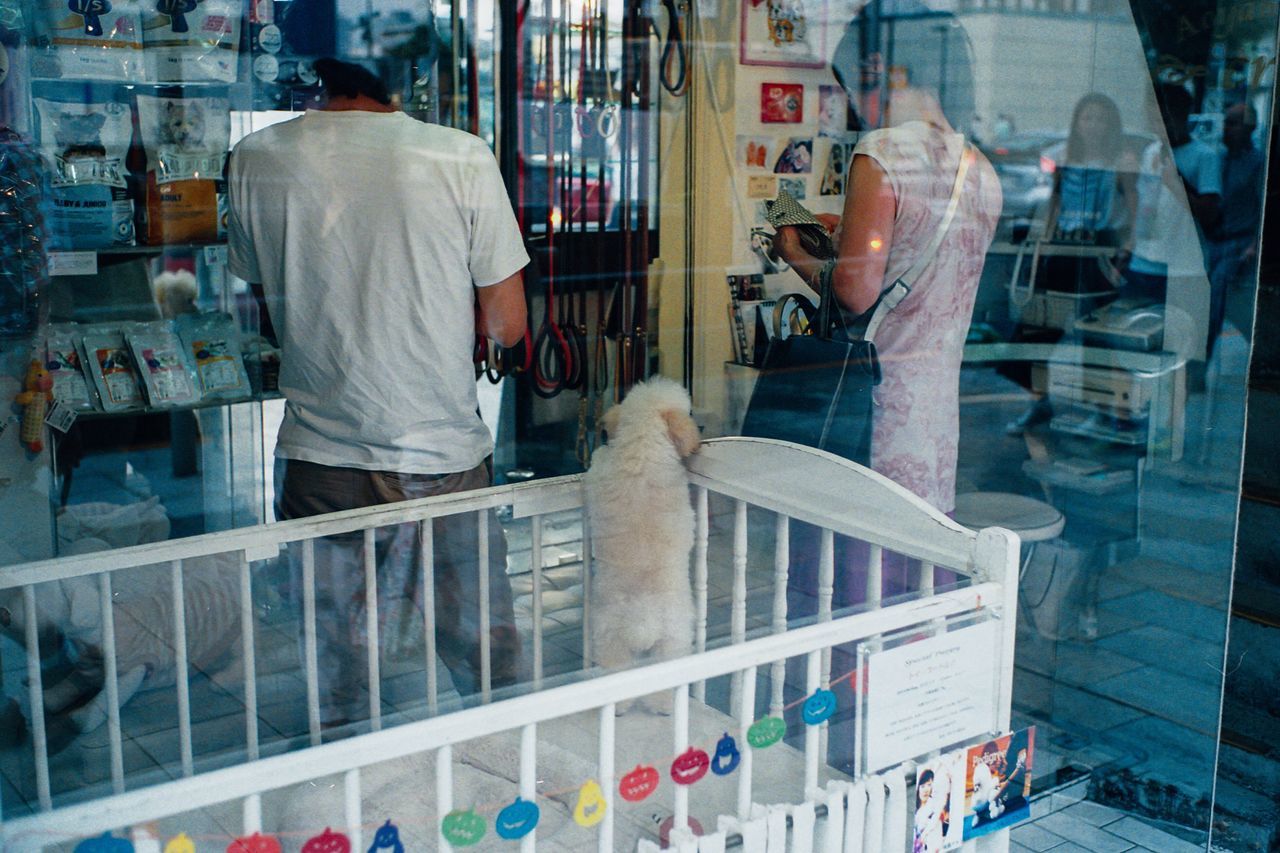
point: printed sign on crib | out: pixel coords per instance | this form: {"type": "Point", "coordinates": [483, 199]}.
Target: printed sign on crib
{"type": "Point", "coordinates": [931, 693]}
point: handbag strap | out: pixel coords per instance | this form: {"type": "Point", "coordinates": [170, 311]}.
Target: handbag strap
{"type": "Point", "coordinates": [893, 295]}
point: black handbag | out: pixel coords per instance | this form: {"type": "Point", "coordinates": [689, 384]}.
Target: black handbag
{"type": "Point", "coordinates": [815, 384]}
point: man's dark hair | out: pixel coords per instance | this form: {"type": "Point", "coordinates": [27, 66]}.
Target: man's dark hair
{"type": "Point", "coordinates": [348, 80]}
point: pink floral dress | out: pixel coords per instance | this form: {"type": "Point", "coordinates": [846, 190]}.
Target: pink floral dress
{"type": "Point", "coordinates": [916, 421]}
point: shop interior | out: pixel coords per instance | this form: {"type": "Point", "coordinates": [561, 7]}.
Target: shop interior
{"type": "Point", "coordinates": [639, 143]}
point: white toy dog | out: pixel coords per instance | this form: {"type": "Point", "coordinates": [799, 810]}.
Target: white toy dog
{"type": "Point", "coordinates": [642, 528]}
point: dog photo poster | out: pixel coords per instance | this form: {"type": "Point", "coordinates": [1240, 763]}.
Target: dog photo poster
{"type": "Point", "coordinates": [998, 783]}
{"type": "Point", "coordinates": [939, 803]}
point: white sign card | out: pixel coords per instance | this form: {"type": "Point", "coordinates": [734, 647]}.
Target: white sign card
{"type": "Point", "coordinates": [928, 694]}
{"type": "Point", "coordinates": [73, 263]}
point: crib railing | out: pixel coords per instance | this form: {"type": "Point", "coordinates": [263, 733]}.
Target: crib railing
{"type": "Point", "coordinates": [247, 783]}
{"type": "Point", "coordinates": [786, 480]}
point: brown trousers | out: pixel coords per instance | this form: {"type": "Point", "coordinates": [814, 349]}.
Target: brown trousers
{"type": "Point", "coordinates": [311, 489]}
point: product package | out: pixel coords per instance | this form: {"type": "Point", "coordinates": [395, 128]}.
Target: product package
{"type": "Point", "coordinates": [214, 343]}
{"type": "Point", "coordinates": [85, 145]}
{"type": "Point", "coordinates": [162, 361]}
{"type": "Point", "coordinates": [186, 140]}
{"type": "Point", "coordinates": [188, 41]}
{"type": "Point", "coordinates": [88, 40]}
{"type": "Point", "coordinates": [62, 360]}
{"type": "Point", "coordinates": [112, 369]}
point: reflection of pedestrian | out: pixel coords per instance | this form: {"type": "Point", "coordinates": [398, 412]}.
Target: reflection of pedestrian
{"type": "Point", "coordinates": [358, 212]}
{"type": "Point", "coordinates": [1233, 243]}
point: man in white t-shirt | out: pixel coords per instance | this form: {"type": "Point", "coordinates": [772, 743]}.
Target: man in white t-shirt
{"type": "Point", "coordinates": [381, 244]}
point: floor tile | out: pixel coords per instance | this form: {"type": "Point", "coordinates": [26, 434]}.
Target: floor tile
{"type": "Point", "coordinates": [1189, 703]}
{"type": "Point", "coordinates": [1032, 836]}
{"type": "Point", "coordinates": [1093, 813]}
{"type": "Point", "coordinates": [1177, 614]}
{"type": "Point", "coordinates": [1151, 644]}
{"type": "Point", "coordinates": [1150, 837]}
{"type": "Point", "coordinates": [1088, 836]}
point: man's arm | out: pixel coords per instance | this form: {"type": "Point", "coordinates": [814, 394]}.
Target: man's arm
{"type": "Point", "coordinates": [503, 316]}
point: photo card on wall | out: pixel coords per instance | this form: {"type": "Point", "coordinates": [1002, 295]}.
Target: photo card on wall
{"type": "Point", "coordinates": [789, 33]}
{"type": "Point", "coordinates": [797, 187]}
{"type": "Point", "coordinates": [755, 152]}
{"type": "Point", "coordinates": [781, 103]}
{"type": "Point", "coordinates": [796, 157]}
{"type": "Point", "coordinates": [998, 783]}
{"type": "Point", "coordinates": [833, 111]}
{"type": "Point", "coordinates": [939, 804]}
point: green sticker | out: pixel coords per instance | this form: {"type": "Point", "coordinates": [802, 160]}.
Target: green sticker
{"type": "Point", "coordinates": [462, 829]}
{"type": "Point", "coordinates": [766, 732]}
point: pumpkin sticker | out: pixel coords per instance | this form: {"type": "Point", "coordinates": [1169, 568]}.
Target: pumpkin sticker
{"type": "Point", "coordinates": [765, 732]}
{"type": "Point", "coordinates": [256, 843]}
{"type": "Point", "coordinates": [819, 707]}
{"type": "Point", "coordinates": [462, 829]}
{"type": "Point", "coordinates": [591, 804]}
{"type": "Point", "coordinates": [690, 766]}
{"type": "Point", "coordinates": [387, 838]}
{"type": "Point", "coordinates": [105, 843]}
{"type": "Point", "coordinates": [517, 820]}
{"type": "Point", "coordinates": [180, 843]}
{"type": "Point", "coordinates": [726, 759]}
{"type": "Point", "coordinates": [639, 783]}
{"type": "Point", "coordinates": [328, 842]}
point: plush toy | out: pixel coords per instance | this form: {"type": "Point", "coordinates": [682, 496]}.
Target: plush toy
{"type": "Point", "coordinates": [175, 293]}
{"type": "Point", "coordinates": [37, 393]}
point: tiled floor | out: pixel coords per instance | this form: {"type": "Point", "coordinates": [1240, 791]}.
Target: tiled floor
{"type": "Point", "coordinates": [1063, 826]}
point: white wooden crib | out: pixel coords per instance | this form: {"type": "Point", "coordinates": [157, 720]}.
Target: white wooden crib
{"type": "Point", "coordinates": [563, 733]}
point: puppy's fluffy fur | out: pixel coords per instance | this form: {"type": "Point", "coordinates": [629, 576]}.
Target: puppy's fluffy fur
{"type": "Point", "coordinates": [642, 528]}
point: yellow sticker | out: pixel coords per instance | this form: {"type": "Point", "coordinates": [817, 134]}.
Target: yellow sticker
{"type": "Point", "coordinates": [180, 843]}
{"type": "Point", "coordinates": [591, 804]}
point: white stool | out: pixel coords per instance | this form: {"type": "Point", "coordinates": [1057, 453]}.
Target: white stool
{"type": "Point", "coordinates": [1034, 521]}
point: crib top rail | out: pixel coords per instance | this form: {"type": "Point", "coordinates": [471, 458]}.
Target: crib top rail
{"type": "Point", "coordinates": [831, 492]}
{"type": "Point", "coordinates": [281, 771]}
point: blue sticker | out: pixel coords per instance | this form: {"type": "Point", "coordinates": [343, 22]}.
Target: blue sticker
{"type": "Point", "coordinates": [819, 707]}
{"type": "Point", "coordinates": [105, 843]}
{"type": "Point", "coordinates": [387, 838]}
{"type": "Point", "coordinates": [518, 819]}
{"type": "Point", "coordinates": [726, 759]}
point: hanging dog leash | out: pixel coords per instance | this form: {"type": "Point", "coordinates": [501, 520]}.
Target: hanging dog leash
{"type": "Point", "coordinates": [674, 62]}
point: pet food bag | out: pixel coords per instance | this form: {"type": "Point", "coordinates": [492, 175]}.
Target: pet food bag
{"type": "Point", "coordinates": [88, 40]}
{"type": "Point", "coordinates": [85, 145]}
{"type": "Point", "coordinates": [186, 140]}
{"type": "Point", "coordinates": [62, 360]}
{"type": "Point", "coordinates": [163, 363]}
{"type": "Point", "coordinates": [187, 41]}
{"type": "Point", "coordinates": [112, 369]}
{"type": "Point", "coordinates": [214, 343]}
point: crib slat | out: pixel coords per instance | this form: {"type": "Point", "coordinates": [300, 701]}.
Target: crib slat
{"type": "Point", "coordinates": [924, 579]}
{"type": "Point", "coordinates": [427, 542]}
{"type": "Point", "coordinates": [702, 531]}
{"type": "Point", "coordinates": [444, 793]}
{"type": "Point", "coordinates": [181, 675]}
{"type": "Point", "coordinates": [112, 681]}
{"type": "Point", "coordinates": [746, 716]}
{"type": "Point", "coordinates": [826, 580]}
{"type": "Point", "coordinates": [35, 697]}
{"type": "Point", "coordinates": [587, 559]}
{"type": "Point", "coordinates": [351, 807]}
{"type": "Point", "coordinates": [680, 727]}
{"type": "Point", "coordinates": [536, 565]}
{"type": "Point", "coordinates": [486, 662]}
{"type": "Point", "coordinates": [310, 655]}
{"type": "Point", "coordinates": [252, 814]}
{"type": "Point", "coordinates": [781, 564]}
{"type": "Point", "coordinates": [371, 627]}
{"type": "Point", "coordinates": [812, 741]}
{"type": "Point", "coordinates": [529, 778]}
{"type": "Point", "coordinates": [246, 647]}
{"type": "Point", "coordinates": [875, 577]}
{"type": "Point", "coordinates": [608, 717]}
{"type": "Point", "coordinates": [738, 624]}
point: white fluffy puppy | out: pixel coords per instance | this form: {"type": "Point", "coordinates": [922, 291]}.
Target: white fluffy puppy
{"type": "Point", "coordinates": [642, 528]}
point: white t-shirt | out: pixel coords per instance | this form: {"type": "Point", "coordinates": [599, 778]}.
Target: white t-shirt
{"type": "Point", "coordinates": [368, 232]}
{"type": "Point", "coordinates": [1165, 237]}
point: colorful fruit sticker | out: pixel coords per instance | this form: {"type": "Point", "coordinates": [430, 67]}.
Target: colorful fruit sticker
{"type": "Point", "coordinates": [765, 732]}
{"type": "Point", "coordinates": [639, 783]}
{"type": "Point", "coordinates": [517, 820]}
{"type": "Point", "coordinates": [726, 759]}
{"type": "Point", "coordinates": [462, 829]}
{"type": "Point", "coordinates": [591, 804]}
{"type": "Point", "coordinates": [819, 707]}
{"type": "Point", "coordinates": [690, 766]}
{"type": "Point", "coordinates": [328, 842]}
{"type": "Point", "coordinates": [180, 843]}
{"type": "Point", "coordinates": [387, 837]}
{"type": "Point", "coordinates": [105, 843]}
{"type": "Point", "coordinates": [256, 843]}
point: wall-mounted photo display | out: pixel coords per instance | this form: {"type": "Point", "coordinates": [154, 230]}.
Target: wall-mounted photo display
{"type": "Point", "coordinates": [781, 103]}
{"type": "Point", "coordinates": [836, 172]}
{"type": "Point", "coordinates": [998, 783]}
{"type": "Point", "coordinates": [833, 111]}
{"type": "Point", "coordinates": [783, 32]}
{"type": "Point", "coordinates": [762, 186]}
{"type": "Point", "coordinates": [755, 152]}
{"type": "Point", "coordinates": [796, 157]}
{"type": "Point", "coordinates": [797, 187]}
{"type": "Point", "coordinates": [939, 804]}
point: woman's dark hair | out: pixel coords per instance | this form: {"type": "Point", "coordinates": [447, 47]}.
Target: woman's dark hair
{"type": "Point", "coordinates": [348, 80]}
{"type": "Point", "coordinates": [1112, 138]}
{"type": "Point", "coordinates": [925, 777]}
{"type": "Point", "coordinates": [1017, 743]}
